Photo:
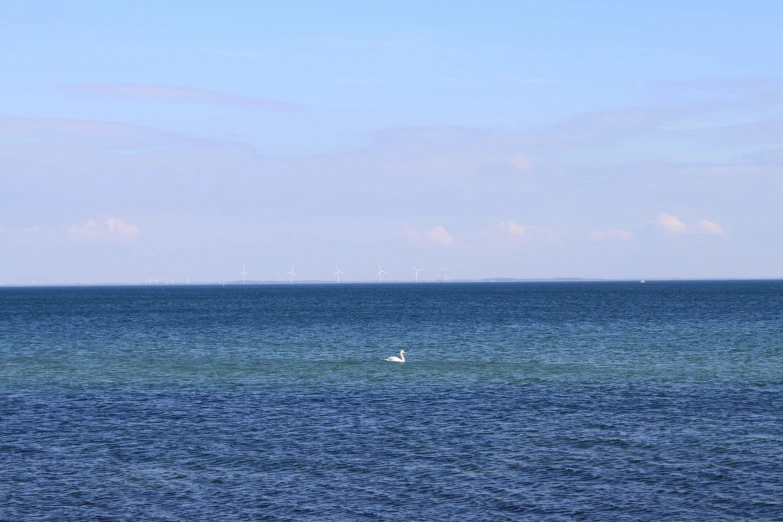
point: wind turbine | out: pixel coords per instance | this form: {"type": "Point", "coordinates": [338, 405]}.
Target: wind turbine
{"type": "Point", "coordinates": [188, 280]}
{"type": "Point", "coordinates": [243, 274]}
{"type": "Point", "coordinates": [156, 280]}
{"type": "Point", "coordinates": [166, 279]}
{"type": "Point", "coordinates": [381, 271]}
{"type": "Point", "coordinates": [291, 273]}
{"type": "Point", "coordinates": [417, 273]}
{"type": "Point", "coordinates": [338, 273]}
{"type": "Point", "coordinates": [150, 281]}
{"type": "Point", "coordinates": [445, 272]}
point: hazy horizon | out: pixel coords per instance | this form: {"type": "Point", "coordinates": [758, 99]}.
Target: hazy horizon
{"type": "Point", "coordinates": [276, 282]}
{"type": "Point", "coordinates": [508, 141]}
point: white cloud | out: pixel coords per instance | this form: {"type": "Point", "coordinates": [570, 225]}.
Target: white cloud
{"type": "Point", "coordinates": [509, 233]}
{"type": "Point", "coordinates": [115, 230]}
{"type": "Point", "coordinates": [612, 233]}
{"type": "Point", "coordinates": [513, 228]}
{"type": "Point", "coordinates": [709, 227]}
{"type": "Point", "coordinates": [121, 228]}
{"type": "Point", "coordinates": [87, 231]}
{"type": "Point", "coordinates": [436, 235]}
{"type": "Point", "coordinates": [671, 224]}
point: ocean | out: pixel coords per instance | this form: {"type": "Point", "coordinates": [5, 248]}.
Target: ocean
{"type": "Point", "coordinates": [518, 401]}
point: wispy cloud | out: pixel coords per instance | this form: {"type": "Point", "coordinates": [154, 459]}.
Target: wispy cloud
{"type": "Point", "coordinates": [67, 142]}
{"type": "Point", "coordinates": [435, 236]}
{"type": "Point", "coordinates": [114, 230]}
{"type": "Point", "coordinates": [439, 235]}
{"type": "Point", "coordinates": [35, 129]}
{"type": "Point", "coordinates": [612, 233]}
{"type": "Point", "coordinates": [513, 228]}
{"type": "Point", "coordinates": [511, 233]}
{"type": "Point", "coordinates": [165, 92]}
{"type": "Point", "coordinates": [673, 225]}
{"type": "Point", "coordinates": [708, 227]}
{"type": "Point", "coordinates": [27, 233]}
{"type": "Point", "coordinates": [89, 134]}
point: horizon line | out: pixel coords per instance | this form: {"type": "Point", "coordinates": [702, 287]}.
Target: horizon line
{"type": "Point", "coordinates": [327, 282]}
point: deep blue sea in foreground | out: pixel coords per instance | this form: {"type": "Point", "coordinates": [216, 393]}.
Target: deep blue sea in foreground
{"type": "Point", "coordinates": [526, 401]}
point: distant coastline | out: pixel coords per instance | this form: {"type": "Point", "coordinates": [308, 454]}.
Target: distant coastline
{"type": "Point", "coordinates": [325, 282]}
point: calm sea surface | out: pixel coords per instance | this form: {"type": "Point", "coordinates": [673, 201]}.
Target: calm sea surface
{"type": "Point", "coordinates": [585, 401]}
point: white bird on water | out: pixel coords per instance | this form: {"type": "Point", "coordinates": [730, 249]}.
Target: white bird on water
{"type": "Point", "coordinates": [400, 359]}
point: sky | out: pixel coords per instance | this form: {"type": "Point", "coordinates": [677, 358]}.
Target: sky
{"type": "Point", "coordinates": [593, 139]}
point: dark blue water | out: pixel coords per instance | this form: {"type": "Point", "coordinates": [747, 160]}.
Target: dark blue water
{"type": "Point", "coordinates": [586, 401]}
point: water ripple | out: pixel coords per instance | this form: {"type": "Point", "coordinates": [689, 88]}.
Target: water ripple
{"type": "Point", "coordinates": [562, 402]}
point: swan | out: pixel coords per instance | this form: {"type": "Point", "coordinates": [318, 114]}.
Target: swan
{"type": "Point", "coordinates": [400, 359]}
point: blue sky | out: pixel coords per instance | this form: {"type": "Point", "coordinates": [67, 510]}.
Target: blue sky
{"type": "Point", "coordinates": [506, 139]}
